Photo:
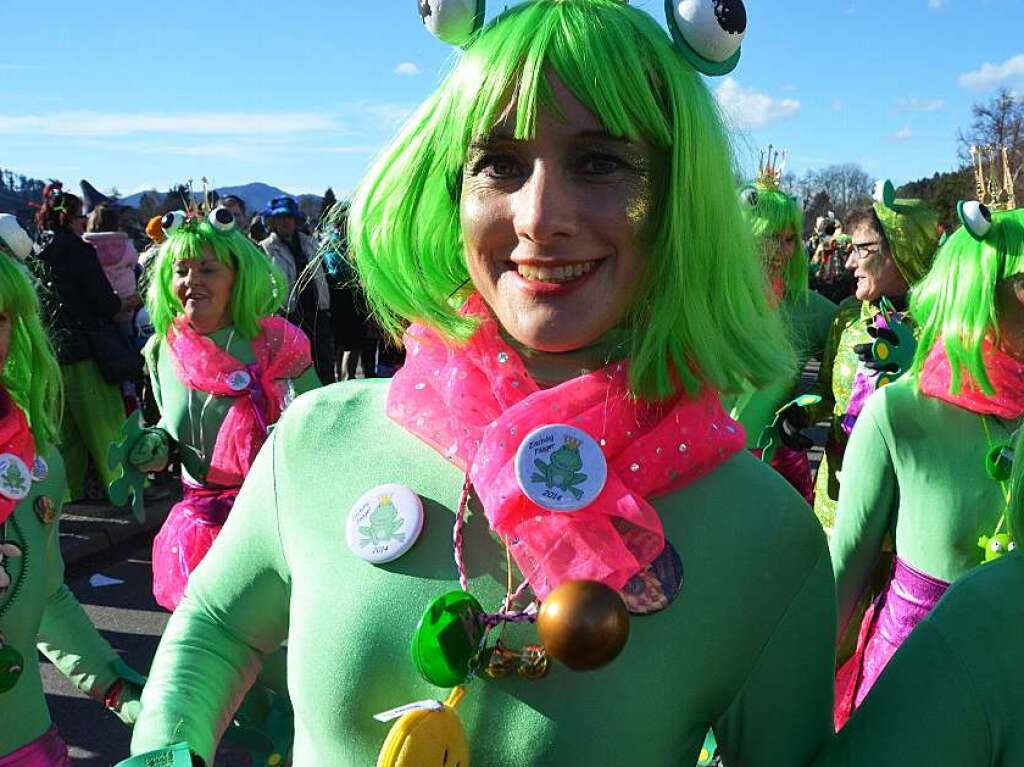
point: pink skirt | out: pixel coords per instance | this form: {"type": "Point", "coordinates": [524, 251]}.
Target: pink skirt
{"type": "Point", "coordinates": [47, 751]}
{"type": "Point", "coordinates": [187, 534]}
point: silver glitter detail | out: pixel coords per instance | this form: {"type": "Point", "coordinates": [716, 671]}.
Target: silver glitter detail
{"type": "Point", "coordinates": [634, 468]}
{"type": "Point", "coordinates": [502, 358]}
{"type": "Point", "coordinates": [421, 386]}
{"type": "Point", "coordinates": [683, 447]}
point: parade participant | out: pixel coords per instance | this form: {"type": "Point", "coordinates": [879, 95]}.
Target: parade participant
{"type": "Point", "coordinates": [951, 694]}
{"type": "Point", "coordinates": [926, 458]}
{"type": "Point", "coordinates": [778, 222]}
{"type": "Point", "coordinates": [222, 369]}
{"type": "Point", "coordinates": [36, 607]}
{"type": "Point", "coordinates": [79, 308]}
{"type": "Point", "coordinates": [574, 313]}
{"type": "Point", "coordinates": [893, 245]}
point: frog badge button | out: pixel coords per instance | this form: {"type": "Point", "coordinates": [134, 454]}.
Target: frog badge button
{"type": "Point", "coordinates": [384, 523]}
{"type": "Point", "coordinates": [15, 477]}
{"type": "Point", "coordinates": [561, 468]}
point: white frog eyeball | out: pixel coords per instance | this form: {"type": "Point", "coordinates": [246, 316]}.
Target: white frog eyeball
{"type": "Point", "coordinates": [452, 21]}
{"type": "Point", "coordinates": [173, 221]}
{"type": "Point", "coordinates": [221, 219]}
{"type": "Point", "coordinates": [996, 547]}
{"type": "Point", "coordinates": [1012, 546]}
{"type": "Point", "coordinates": [976, 218]}
{"type": "Point", "coordinates": [708, 33]}
{"type": "Point", "coordinates": [749, 196]}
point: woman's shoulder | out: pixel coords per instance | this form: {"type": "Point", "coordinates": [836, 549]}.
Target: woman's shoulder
{"type": "Point", "coordinates": [337, 409]}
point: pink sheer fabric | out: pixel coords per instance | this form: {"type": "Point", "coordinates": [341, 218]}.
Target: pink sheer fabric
{"type": "Point", "coordinates": [282, 352]}
{"type": "Point", "coordinates": [46, 751]}
{"type": "Point", "coordinates": [474, 404]}
{"type": "Point", "coordinates": [15, 438]}
{"type": "Point", "coordinates": [1005, 373]}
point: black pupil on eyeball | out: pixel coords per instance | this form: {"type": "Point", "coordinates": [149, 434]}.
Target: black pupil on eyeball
{"type": "Point", "coordinates": [223, 216]}
{"type": "Point", "coordinates": [168, 221]}
{"type": "Point", "coordinates": [425, 9]}
{"type": "Point", "coordinates": [985, 213]}
{"type": "Point", "coordinates": [731, 15]}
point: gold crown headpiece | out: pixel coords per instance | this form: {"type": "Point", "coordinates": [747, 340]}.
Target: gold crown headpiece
{"type": "Point", "coordinates": [995, 186]}
{"type": "Point", "coordinates": [770, 168]}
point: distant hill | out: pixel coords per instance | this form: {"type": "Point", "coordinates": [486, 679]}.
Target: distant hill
{"type": "Point", "coordinates": [256, 196]}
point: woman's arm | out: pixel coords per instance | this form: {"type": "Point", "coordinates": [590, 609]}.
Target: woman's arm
{"type": "Point", "coordinates": [867, 504]}
{"type": "Point", "coordinates": [235, 611]}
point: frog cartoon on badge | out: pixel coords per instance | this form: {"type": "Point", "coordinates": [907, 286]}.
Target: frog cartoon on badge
{"type": "Point", "coordinates": [563, 471]}
{"type": "Point", "coordinates": [385, 522]}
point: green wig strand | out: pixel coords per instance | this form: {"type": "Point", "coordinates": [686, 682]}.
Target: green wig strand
{"type": "Point", "coordinates": [956, 301]}
{"type": "Point", "coordinates": [258, 290]}
{"type": "Point", "coordinates": [777, 213]}
{"type": "Point", "coordinates": [31, 374]}
{"type": "Point", "coordinates": [702, 313]}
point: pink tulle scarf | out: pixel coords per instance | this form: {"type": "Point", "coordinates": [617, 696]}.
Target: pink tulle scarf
{"type": "Point", "coordinates": [474, 404]}
{"type": "Point", "coordinates": [1004, 372]}
{"type": "Point", "coordinates": [282, 353]}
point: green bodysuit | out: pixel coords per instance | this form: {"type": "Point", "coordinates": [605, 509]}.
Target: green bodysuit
{"type": "Point", "coordinates": [193, 418]}
{"type": "Point", "coordinates": [915, 465]}
{"type": "Point", "coordinates": [951, 696]}
{"type": "Point", "coordinates": [747, 647]}
{"type": "Point", "coordinates": [40, 608]}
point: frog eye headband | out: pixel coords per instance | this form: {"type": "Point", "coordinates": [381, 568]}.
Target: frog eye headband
{"type": "Point", "coordinates": [995, 191]}
{"type": "Point", "coordinates": [707, 33]}
{"type": "Point", "coordinates": [220, 218]}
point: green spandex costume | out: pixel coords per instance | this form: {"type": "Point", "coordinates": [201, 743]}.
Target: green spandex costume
{"type": "Point", "coordinates": [758, 671]}
{"type": "Point", "coordinates": [915, 465]}
{"type": "Point", "coordinates": [952, 695]}
{"type": "Point", "coordinates": [40, 608]}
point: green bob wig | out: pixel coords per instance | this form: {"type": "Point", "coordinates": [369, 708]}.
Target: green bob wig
{"type": "Point", "coordinates": [31, 374]}
{"type": "Point", "coordinates": [259, 287]}
{"type": "Point", "coordinates": [773, 213]}
{"type": "Point", "coordinates": [702, 313]}
{"type": "Point", "coordinates": [956, 302]}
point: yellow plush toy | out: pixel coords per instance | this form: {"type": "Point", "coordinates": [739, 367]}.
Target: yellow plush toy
{"type": "Point", "coordinates": [428, 738]}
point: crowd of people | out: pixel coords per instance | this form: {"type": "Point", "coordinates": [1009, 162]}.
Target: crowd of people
{"type": "Point", "coordinates": [579, 525]}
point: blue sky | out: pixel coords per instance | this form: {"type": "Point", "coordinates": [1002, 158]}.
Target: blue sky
{"type": "Point", "coordinates": [302, 93]}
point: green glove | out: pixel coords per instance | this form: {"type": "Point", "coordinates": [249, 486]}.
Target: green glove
{"type": "Point", "coordinates": [150, 451]}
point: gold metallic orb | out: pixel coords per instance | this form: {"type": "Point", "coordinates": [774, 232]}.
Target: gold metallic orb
{"type": "Point", "coordinates": [584, 624]}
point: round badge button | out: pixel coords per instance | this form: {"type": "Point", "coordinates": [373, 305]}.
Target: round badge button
{"type": "Point", "coordinates": [447, 638]}
{"type": "Point", "coordinates": [46, 509]}
{"type": "Point", "coordinates": [561, 468]}
{"type": "Point", "coordinates": [384, 523]}
{"type": "Point", "coordinates": [15, 478]}
{"type": "Point", "coordinates": [656, 586]}
{"type": "Point", "coordinates": [40, 469]}
{"type": "Point", "coordinates": [239, 380]}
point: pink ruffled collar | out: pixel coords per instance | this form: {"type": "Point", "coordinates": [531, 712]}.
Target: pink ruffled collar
{"type": "Point", "coordinates": [1004, 372]}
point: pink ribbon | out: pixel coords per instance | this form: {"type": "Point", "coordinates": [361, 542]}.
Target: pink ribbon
{"type": "Point", "coordinates": [282, 353]}
{"type": "Point", "coordinates": [476, 403]}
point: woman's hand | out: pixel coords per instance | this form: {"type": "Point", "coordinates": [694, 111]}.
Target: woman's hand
{"type": "Point", "coordinates": [150, 451]}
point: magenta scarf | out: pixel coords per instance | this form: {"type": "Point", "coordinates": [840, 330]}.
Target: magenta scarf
{"type": "Point", "coordinates": [16, 439]}
{"type": "Point", "coordinates": [1004, 372]}
{"type": "Point", "coordinates": [282, 353]}
{"type": "Point", "coordinates": [474, 404]}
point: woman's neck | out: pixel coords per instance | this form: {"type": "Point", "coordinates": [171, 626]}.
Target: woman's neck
{"type": "Point", "coordinates": [549, 369]}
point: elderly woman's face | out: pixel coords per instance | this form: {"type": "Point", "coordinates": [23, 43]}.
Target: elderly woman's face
{"type": "Point", "coordinates": [555, 227]}
{"type": "Point", "coordinates": [204, 289]}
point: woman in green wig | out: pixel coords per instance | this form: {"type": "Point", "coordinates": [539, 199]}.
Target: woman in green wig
{"type": "Point", "coordinates": [556, 232]}
{"type": "Point", "coordinates": [778, 221]}
{"type": "Point", "coordinates": [36, 608]}
{"type": "Point", "coordinates": [927, 460]}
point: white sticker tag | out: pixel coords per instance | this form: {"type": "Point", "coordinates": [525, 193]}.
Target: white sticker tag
{"type": "Point", "coordinates": [408, 708]}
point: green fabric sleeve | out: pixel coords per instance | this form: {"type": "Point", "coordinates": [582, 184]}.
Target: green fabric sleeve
{"type": "Point", "coordinates": [307, 381]}
{"type": "Point", "coordinates": [234, 613]}
{"type": "Point", "coordinates": [67, 636]}
{"type": "Point", "coordinates": [794, 669]}
{"type": "Point", "coordinates": [868, 501]}
{"type": "Point", "coordinates": [924, 711]}
{"type": "Point", "coordinates": [151, 352]}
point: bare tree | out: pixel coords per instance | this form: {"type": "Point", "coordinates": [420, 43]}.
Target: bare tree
{"type": "Point", "coordinates": [846, 186]}
{"type": "Point", "coordinates": [999, 122]}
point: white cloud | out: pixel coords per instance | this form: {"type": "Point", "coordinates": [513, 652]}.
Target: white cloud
{"type": "Point", "coordinates": [903, 134]}
{"type": "Point", "coordinates": [915, 104]}
{"type": "Point", "coordinates": [937, 4]}
{"type": "Point", "coordinates": [382, 115]}
{"type": "Point", "coordinates": [747, 108]}
{"type": "Point", "coordinates": [990, 74]}
{"type": "Point", "coordinates": [407, 68]}
{"type": "Point", "coordinates": [196, 124]}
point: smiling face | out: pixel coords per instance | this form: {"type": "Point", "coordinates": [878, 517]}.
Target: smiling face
{"type": "Point", "coordinates": [872, 264]}
{"type": "Point", "coordinates": [555, 226]}
{"type": "Point", "coordinates": [204, 289]}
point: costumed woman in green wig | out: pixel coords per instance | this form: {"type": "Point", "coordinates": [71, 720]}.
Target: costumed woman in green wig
{"type": "Point", "coordinates": [547, 484]}
{"type": "Point", "coordinates": [927, 459]}
{"type": "Point", "coordinates": [778, 221]}
{"type": "Point", "coordinates": [951, 694]}
{"type": "Point", "coordinates": [893, 244]}
{"type": "Point", "coordinates": [36, 608]}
